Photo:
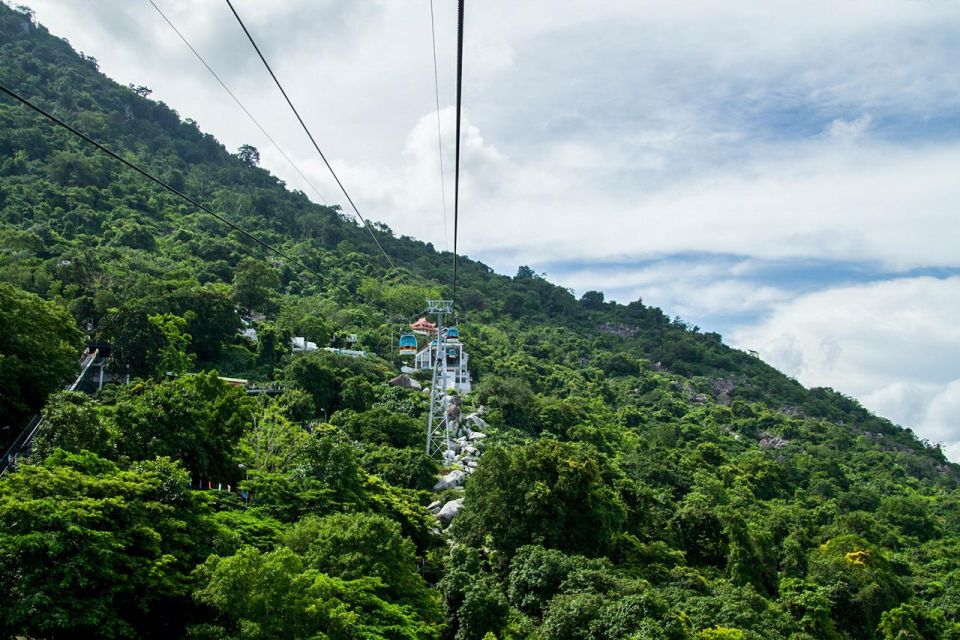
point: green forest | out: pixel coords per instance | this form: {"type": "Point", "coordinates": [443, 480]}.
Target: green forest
{"type": "Point", "coordinates": [634, 477]}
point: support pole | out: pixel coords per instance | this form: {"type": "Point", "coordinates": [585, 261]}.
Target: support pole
{"type": "Point", "coordinates": [438, 426]}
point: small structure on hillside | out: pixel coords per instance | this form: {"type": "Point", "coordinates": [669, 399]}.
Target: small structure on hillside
{"type": "Point", "coordinates": [301, 345]}
{"type": "Point", "coordinates": [349, 353]}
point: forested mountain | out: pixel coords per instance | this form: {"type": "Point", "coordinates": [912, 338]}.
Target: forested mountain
{"type": "Point", "coordinates": [637, 479]}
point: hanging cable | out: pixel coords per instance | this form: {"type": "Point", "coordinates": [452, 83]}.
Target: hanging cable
{"type": "Point", "coordinates": [456, 179]}
{"type": "Point", "coordinates": [239, 104]}
{"type": "Point", "coordinates": [436, 87]}
{"type": "Point", "coordinates": [309, 135]}
{"type": "Point", "coordinates": [171, 189]}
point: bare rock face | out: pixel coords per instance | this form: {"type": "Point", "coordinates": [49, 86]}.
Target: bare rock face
{"type": "Point", "coordinates": [721, 388]}
{"type": "Point", "coordinates": [450, 511]}
{"type": "Point", "coordinates": [768, 441]}
{"type": "Point", "coordinates": [619, 330]}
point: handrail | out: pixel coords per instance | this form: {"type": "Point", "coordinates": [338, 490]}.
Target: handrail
{"type": "Point", "coordinates": [25, 439]}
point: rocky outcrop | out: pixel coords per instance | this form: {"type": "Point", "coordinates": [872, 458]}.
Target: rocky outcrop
{"type": "Point", "coordinates": [722, 390]}
{"type": "Point", "coordinates": [618, 329]}
{"type": "Point", "coordinates": [769, 442]}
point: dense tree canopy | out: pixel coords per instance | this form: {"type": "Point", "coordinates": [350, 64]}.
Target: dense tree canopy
{"type": "Point", "coordinates": [39, 349]}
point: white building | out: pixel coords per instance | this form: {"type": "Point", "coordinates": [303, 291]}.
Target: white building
{"type": "Point", "coordinates": [457, 360]}
{"type": "Point", "coordinates": [302, 345]}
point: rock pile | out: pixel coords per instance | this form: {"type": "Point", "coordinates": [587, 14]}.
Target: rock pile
{"type": "Point", "coordinates": [466, 447]}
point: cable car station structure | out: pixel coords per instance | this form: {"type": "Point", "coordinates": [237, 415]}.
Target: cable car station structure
{"type": "Point", "coordinates": [445, 357]}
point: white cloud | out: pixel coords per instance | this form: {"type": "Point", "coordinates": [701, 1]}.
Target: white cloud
{"type": "Point", "coordinates": [849, 130]}
{"type": "Point", "coordinates": [893, 344]}
{"type": "Point", "coordinates": [693, 289]}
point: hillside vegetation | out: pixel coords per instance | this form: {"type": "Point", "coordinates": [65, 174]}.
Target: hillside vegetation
{"type": "Point", "coordinates": [638, 478]}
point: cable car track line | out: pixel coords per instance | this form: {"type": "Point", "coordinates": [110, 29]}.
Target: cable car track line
{"type": "Point", "coordinates": [239, 104]}
{"type": "Point", "coordinates": [456, 179]}
{"type": "Point", "coordinates": [310, 135]}
{"type": "Point", "coordinates": [171, 189]}
{"type": "Point", "coordinates": [436, 88]}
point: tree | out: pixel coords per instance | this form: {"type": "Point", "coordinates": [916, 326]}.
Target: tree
{"type": "Point", "coordinates": [172, 358]}
{"type": "Point", "coordinates": [135, 341]}
{"type": "Point", "coordinates": [274, 443]}
{"type": "Point", "coordinates": [248, 154]}
{"type": "Point", "coordinates": [474, 602]}
{"type": "Point", "coordinates": [325, 477]}
{"type": "Point", "coordinates": [211, 317]}
{"type": "Point", "coordinates": [273, 344]}
{"type": "Point", "coordinates": [97, 549]}
{"type": "Point", "coordinates": [254, 282]}
{"type": "Point", "coordinates": [550, 493]}
{"type": "Point", "coordinates": [409, 468]}
{"type": "Point", "coordinates": [861, 583]}
{"type": "Point", "coordinates": [512, 397]}
{"type": "Point", "coordinates": [296, 405]}
{"type": "Point", "coordinates": [536, 575]}
{"type": "Point", "coordinates": [592, 300]}
{"type": "Point", "coordinates": [380, 426]}
{"type": "Point", "coordinates": [196, 419]}
{"type": "Point", "coordinates": [272, 595]}
{"type": "Point", "coordinates": [71, 422]}
{"type": "Point", "coordinates": [315, 374]}
{"type": "Point", "coordinates": [39, 347]}
{"type": "Point", "coordinates": [140, 90]}
{"type": "Point", "coordinates": [353, 545]}
{"type": "Point", "coordinates": [916, 622]}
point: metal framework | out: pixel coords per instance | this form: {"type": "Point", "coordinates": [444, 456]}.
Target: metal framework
{"type": "Point", "coordinates": [438, 426]}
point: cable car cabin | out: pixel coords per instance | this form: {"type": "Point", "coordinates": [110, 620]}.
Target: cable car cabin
{"type": "Point", "coordinates": [408, 344]}
{"type": "Point", "coordinates": [455, 361]}
{"type": "Point", "coordinates": [453, 334]}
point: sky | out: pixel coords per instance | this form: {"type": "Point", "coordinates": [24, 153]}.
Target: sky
{"type": "Point", "coordinates": [784, 173]}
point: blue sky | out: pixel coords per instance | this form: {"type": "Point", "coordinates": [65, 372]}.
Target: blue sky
{"type": "Point", "coordinates": [783, 173]}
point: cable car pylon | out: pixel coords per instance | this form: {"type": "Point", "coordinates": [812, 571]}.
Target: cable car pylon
{"type": "Point", "coordinates": [438, 424]}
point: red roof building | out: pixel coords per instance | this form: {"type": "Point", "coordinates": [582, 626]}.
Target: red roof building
{"type": "Point", "coordinates": [423, 326]}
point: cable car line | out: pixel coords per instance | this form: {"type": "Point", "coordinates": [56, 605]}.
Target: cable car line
{"type": "Point", "coordinates": [307, 131]}
{"type": "Point", "coordinates": [239, 104]}
{"type": "Point", "coordinates": [456, 179]}
{"type": "Point", "coordinates": [171, 189]}
{"type": "Point", "coordinates": [436, 87]}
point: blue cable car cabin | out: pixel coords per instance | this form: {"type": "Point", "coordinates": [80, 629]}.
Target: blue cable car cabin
{"type": "Point", "coordinates": [453, 333]}
{"type": "Point", "coordinates": [408, 344]}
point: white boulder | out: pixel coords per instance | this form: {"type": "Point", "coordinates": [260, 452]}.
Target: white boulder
{"type": "Point", "coordinates": [453, 479]}
{"type": "Point", "coordinates": [476, 421]}
{"type": "Point", "coordinates": [450, 510]}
